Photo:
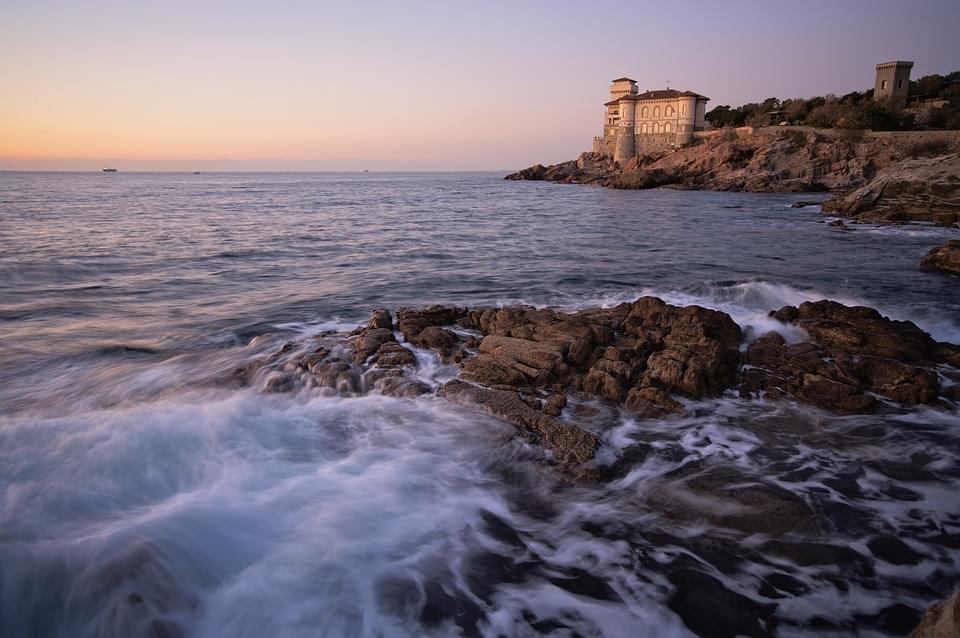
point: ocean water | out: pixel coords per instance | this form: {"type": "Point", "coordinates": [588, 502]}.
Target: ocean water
{"type": "Point", "coordinates": [141, 495]}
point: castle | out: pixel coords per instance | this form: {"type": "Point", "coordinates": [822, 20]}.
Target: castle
{"type": "Point", "coordinates": [639, 122]}
{"type": "Point", "coordinates": [893, 82]}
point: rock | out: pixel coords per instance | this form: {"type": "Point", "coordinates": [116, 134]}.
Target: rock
{"type": "Point", "coordinates": [925, 189]}
{"type": "Point", "coordinates": [380, 318]}
{"type": "Point", "coordinates": [369, 341]}
{"type": "Point", "coordinates": [391, 355]}
{"type": "Point", "coordinates": [945, 258]}
{"type": "Point", "coordinates": [942, 620]}
{"type": "Point", "coordinates": [399, 386]}
{"type": "Point", "coordinates": [411, 321]}
{"type": "Point", "coordinates": [855, 352]}
{"type": "Point", "coordinates": [568, 443]}
{"type": "Point", "coordinates": [651, 403]}
{"type": "Point", "coordinates": [713, 611]}
{"type": "Point", "coordinates": [554, 404]}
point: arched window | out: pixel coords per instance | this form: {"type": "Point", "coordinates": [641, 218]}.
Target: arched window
{"type": "Point", "coordinates": [666, 127]}
{"type": "Point", "coordinates": [668, 111]}
{"type": "Point", "coordinates": [656, 126]}
{"type": "Point", "coordinates": [644, 112]}
{"type": "Point", "coordinates": [656, 111]}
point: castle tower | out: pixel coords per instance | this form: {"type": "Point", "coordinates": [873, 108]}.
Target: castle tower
{"type": "Point", "coordinates": [893, 82]}
{"type": "Point", "coordinates": [626, 145]}
{"type": "Point", "coordinates": [621, 87]}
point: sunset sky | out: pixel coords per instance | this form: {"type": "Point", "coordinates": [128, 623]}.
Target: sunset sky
{"type": "Point", "coordinates": [297, 85]}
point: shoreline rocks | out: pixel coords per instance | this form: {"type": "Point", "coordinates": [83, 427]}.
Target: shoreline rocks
{"type": "Point", "coordinates": [945, 258]}
{"type": "Point", "coordinates": [875, 177]}
{"type": "Point", "coordinates": [525, 365]}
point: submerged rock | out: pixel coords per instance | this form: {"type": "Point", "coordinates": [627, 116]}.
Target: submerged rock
{"type": "Point", "coordinates": [945, 258]}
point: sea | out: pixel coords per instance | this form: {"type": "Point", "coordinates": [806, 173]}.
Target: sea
{"type": "Point", "coordinates": [142, 494]}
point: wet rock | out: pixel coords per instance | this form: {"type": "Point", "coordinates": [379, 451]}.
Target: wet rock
{"type": "Point", "coordinates": [651, 403]}
{"type": "Point", "coordinates": [569, 443]}
{"type": "Point", "coordinates": [400, 386]}
{"type": "Point", "coordinates": [711, 610]}
{"type": "Point", "coordinates": [945, 258]}
{"type": "Point", "coordinates": [554, 404]}
{"type": "Point", "coordinates": [279, 382]}
{"type": "Point", "coordinates": [369, 341]}
{"type": "Point", "coordinates": [941, 620]}
{"type": "Point", "coordinates": [337, 374]}
{"type": "Point", "coordinates": [392, 355]}
{"type": "Point", "coordinates": [855, 352]}
{"type": "Point", "coordinates": [380, 318]}
{"type": "Point", "coordinates": [411, 322]}
{"type": "Point", "coordinates": [893, 550]}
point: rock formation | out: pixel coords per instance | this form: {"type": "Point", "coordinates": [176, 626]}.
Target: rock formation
{"type": "Point", "coordinates": [527, 365]}
{"type": "Point", "coordinates": [942, 620]}
{"type": "Point", "coordinates": [925, 190]}
{"type": "Point", "coordinates": [945, 258]}
{"type": "Point", "coordinates": [881, 181]}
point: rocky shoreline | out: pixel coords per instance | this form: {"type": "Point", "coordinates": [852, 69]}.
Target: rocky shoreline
{"type": "Point", "coordinates": [535, 368]}
{"type": "Point", "coordinates": [875, 177]}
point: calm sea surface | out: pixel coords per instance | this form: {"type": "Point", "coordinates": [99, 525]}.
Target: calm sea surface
{"type": "Point", "coordinates": [139, 495]}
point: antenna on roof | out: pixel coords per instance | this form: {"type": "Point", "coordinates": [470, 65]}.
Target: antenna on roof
{"type": "Point", "coordinates": [668, 85]}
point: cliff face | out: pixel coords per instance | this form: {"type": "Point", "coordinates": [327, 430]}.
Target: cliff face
{"type": "Point", "coordinates": [762, 160]}
{"type": "Point", "coordinates": [911, 190]}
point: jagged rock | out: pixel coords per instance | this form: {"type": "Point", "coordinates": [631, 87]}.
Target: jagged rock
{"type": "Point", "coordinates": [942, 620]}
{"type": "Point", "coordinates": [568, 443]}
{"type": "Point", "coordinates": [391, 354]}
{"type": "Point", "coordinates": [945, 258]}
{"type": "Point", "coordinates": [910, 190]}
{"type": "Point", "coordinates": [380, 318]}
{"type": "Point", "coordinates": [369, 341]}
{"type": "Point", "coordinates": [796, 160]}
{"type": "Point", "coordinates": [554, 404]}
{"type": "Point", "coordinates": [855, 351]}
{"type": "Point", "coordinates": [400, 386]}
{"type": "Point", "coordinates": [651, 403]}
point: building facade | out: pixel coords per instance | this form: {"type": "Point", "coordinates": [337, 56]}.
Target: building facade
{"type": "Point", "coordinates": [893, 82]}
{"type": "Point", "coordinates": [636, 123]}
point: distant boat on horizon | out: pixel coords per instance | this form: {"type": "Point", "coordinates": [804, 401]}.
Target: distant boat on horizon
{"type": "Point", "coordinates": [107, 169]}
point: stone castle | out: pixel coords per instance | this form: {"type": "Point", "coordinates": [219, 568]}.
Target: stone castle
{"type": "Point", "coordinates": [639, 122]}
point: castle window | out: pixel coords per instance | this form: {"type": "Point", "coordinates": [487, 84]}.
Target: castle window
{"type": "Point", "coordinates": [644, 112]}
{"type": "Point", "coordinates": [656, 111]}
{"type": "Point", "coordinates": [668, 111]}
{"type": "Point", "coordinates": [883, 84]}
{"type": "Point", "coordinates": [899, 84]}
{"type": "Point", "coordinates": [666, 127]}
{"type": "Point", "coordinates": [656, 125]}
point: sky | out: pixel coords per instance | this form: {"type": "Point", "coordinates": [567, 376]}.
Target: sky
{"type": "Point", "coordinates": [414, 85]}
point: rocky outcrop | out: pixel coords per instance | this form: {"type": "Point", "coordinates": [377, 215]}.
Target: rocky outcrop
{"type": "Point", "coordinates": [926, 190]}
{"type": "Point", "coordinates": [854, 354]}
{"type": "Point", "coordinates": [527, 365]}
{"type": "Point", "coordinates": [945, 258]}
{"type": "Point", "coordinates": [796, 159]}
{"type": "Point", "coordinates": [942, 620]}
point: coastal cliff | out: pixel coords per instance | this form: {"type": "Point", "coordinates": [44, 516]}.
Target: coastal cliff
{"type": "Point", "coordinates": [783, 159]}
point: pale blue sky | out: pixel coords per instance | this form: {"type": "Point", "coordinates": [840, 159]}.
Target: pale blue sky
{"type": "Point", "coordinates": [410, 85]}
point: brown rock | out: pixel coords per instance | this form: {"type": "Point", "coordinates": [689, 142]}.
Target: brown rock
{"type": "Point", "coordinates": [391, 354]}
{"type": "Point", "coordinates": [568, 443]}
{"type": "Point", "coordinates": [554, 404]}
{"type": "Point", "coordinates": [369, 341]}
{"type": "Point", "coordinates": [651, 403]}
{"type": "Point", "coordinates": [945, 258]}
{"type": "Point", "coordinates": [380, 318]}
{"type": "Point", "coordinates": [942, 620]}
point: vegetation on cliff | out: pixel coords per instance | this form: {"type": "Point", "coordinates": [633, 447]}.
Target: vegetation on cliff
{"type": "Point", "coordinates": [855, 110]}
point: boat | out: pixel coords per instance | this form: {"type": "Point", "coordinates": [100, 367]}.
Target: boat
{"type": "Point", "coordinates": [107, 169]}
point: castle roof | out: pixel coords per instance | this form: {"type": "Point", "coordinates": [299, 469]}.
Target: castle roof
{"type": "Point", "coordinates": [663, 94]}
{"type": "Point", "coordinates": [624, 80]}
